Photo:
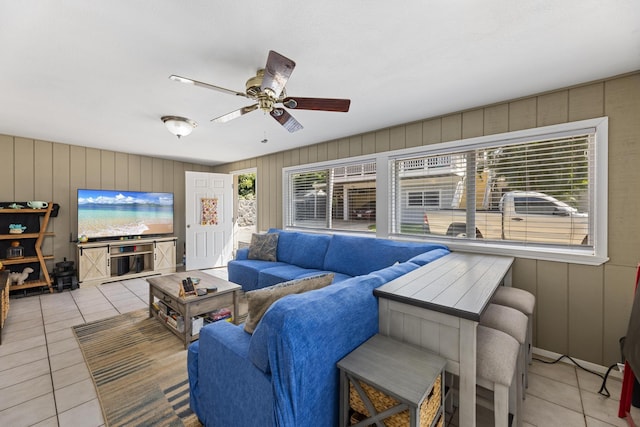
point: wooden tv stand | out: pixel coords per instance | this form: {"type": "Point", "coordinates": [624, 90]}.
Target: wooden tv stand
{"type": "Point", "coordinates": [114, 260]}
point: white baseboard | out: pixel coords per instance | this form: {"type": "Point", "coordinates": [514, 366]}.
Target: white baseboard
{"type": "Point", "coordinates": [615, 373]}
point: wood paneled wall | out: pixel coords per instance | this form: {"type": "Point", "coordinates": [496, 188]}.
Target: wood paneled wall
{"type": "Point", "coordinates": [40, 170]}
{"type": "Point", "coordinates": [581, 310]}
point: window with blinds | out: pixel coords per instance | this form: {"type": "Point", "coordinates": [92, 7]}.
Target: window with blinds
{"type": "Point", "coordinates": [340, 197]}
{"type": "Point", "coordinates": [539, 193]}
{"type": "Point", "coordinates": [529, 192]}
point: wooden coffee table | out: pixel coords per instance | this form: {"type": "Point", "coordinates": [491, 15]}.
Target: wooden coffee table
{"type": "Point", "coordinates": [167, 288]}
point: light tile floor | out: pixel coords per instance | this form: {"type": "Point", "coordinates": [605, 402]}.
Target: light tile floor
{"type": "Point", "coordinates": [45, 382]}
{"type": "Point", "coordinates": [563, 395]}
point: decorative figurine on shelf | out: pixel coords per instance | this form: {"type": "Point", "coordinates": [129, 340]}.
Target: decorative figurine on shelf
{"type": "Point", "coordinates": [37, 204]}
{"type": "Point", "coordinates": [16, 228]}
{"type": "Point", "coordinates": [19, 278]}
{"type": "Point", "coordinates": [83, 239]}
{"type": "Point", "coordinates": [15, 251]}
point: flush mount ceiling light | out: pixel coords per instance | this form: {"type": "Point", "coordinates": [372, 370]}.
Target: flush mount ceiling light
{"type": "Point", "coordinates": [179, 126]}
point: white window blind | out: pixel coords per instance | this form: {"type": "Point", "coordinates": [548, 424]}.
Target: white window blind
{"type": "Point", "coordinates": [340, 197]}
{"type": "Point", "coordinates": [536, 192]}
{"type": "Point", "coordinates": [308, 198]}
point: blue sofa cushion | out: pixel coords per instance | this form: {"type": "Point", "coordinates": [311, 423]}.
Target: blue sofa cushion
{"type": "Point", "coordinates": [310, 250]}
{"type": "Point", "coordinates": [242, 253]}
{"type": "Point", "coordinates": [260, 300]}
{"type": "Point", "coordinates": [286, 245]}
{"type": "Point", "coordinates": [259, 340]}
{"type": "Point", "coordinates": [283, 273]}
{"type": "Point", "coordinates": [258, 348]}
{"type": "Point", "coordinates": [263, 246]}
{"type": "Point", "coordinates": [356, 256]}
{"type": "Point", "coordinates": [427, 257]}
{"type": "Point", "coordinates": [229, 389]}
{"type": "Point", "coordinates": [390, 273]}
{"type": "Point", "coordinates": [339, 277]}
{"type": "Point", "coordinates": [194, 383]}
{"type": "Point", "coordinates": [246, 271]}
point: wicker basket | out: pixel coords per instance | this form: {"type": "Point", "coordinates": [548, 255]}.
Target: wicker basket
{"type": "Point", "coordinates": [381, 402]}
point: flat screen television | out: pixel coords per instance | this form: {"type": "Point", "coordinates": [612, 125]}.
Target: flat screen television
{"type": "Point", "coordinates": [104, 214]}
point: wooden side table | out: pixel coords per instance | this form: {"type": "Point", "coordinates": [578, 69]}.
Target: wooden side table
{"type": "Point", "coordinates": [385, 378]}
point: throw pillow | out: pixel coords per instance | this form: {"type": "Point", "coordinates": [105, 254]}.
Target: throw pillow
{"type": "Point", "coordinates": [261, 299]}
{"type": "Point", "coordinates": [263, 246]}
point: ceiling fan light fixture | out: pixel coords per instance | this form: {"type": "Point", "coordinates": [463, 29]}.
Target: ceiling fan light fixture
{"type": "Point", "coordinates": [179, 126]}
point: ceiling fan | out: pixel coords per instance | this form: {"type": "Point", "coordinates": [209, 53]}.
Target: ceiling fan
{"type": "Point", "coordinates": [267, 88]}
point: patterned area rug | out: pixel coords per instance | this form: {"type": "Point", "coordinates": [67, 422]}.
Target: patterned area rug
{"type": "Point", "coordinates": [139, 369]}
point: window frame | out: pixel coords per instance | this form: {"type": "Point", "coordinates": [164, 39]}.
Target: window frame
{"type": "Point", "coordinates": [329, 166]}
{"type": "Point", "coordinates": [386, 197]}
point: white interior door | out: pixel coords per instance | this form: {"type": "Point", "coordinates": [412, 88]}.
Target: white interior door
{"type": "Point", "coordinates": [209, 219]}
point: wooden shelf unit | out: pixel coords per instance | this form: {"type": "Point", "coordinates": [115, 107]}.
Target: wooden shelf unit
{"type": "Point", "coordinates": [113, 260]}
{"type": "Point", "coordinates": [25, 238]}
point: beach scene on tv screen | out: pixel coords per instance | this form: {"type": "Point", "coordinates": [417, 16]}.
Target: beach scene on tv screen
{"type": "Point", "coordinates": [124, 213]}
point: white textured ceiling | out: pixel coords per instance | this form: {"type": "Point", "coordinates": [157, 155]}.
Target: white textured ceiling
{"type": "Point", "coordinates": [95, 73]}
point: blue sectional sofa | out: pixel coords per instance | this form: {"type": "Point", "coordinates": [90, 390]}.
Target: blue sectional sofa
{"type": "Point", "coordinates": [285, 373]}
{"type": "Point", "coordinates": [306, 254]}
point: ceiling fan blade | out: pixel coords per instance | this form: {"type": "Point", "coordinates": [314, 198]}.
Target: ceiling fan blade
{"type": "Point", "coordinates": [277, 72]}
{"type": "Point", "coordinates": [323, 104]}
{"type": "Point", "coordinates": [205, 85]}
{"type": "Point", "coordinates": [235, 114]}
{"type": "Point", "coordinates": [285, 119]}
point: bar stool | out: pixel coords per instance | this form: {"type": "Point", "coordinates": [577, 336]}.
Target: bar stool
{"type": "Point", "coordinates": [512, 322]}
{"type": "Point", "coordinates": [496, 370]}
{"type": "Point", "coordinates": [520, 300]}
